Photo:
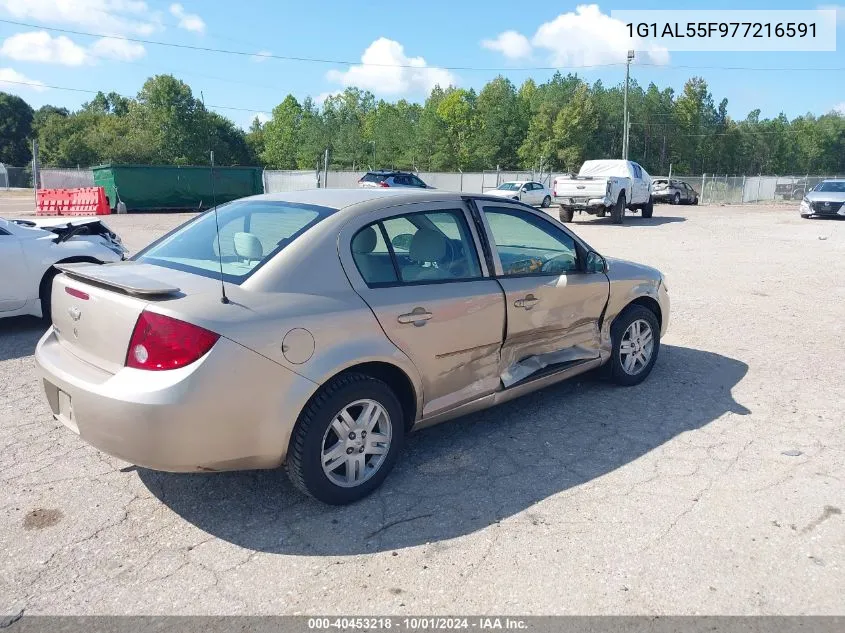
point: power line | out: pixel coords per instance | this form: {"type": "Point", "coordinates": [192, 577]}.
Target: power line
{"type": "Point", "coordinates": [316, 60]}
{"type": "Point", "coordinates": [345, 62]}
{"type": "Point", "coordinates": [36, 84]}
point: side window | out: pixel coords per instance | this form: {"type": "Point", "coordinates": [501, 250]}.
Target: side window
{"type": "Point", "coordinates": [432, 246]}
{"type": "Point", "coordinates": [417, 182]}
{"type": "Point", "coordinates": [638, 173]}
{"type": "Point", "coordinates": [372, 256]}
{"type": "Point", "coordinates": [528, 245]}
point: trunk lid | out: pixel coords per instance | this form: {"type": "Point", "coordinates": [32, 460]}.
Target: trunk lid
{"type": "Point", "coordinates": [95, 307]}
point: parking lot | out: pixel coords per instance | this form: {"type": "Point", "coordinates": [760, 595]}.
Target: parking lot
{"type": "Point", "coordinates": [715, 487]}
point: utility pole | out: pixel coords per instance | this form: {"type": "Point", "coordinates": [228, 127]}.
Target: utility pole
{"type": "Point", "coordinates": [626, 122]}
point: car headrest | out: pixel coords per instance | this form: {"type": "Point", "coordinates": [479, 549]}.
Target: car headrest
{"type": "Point", "coordinates": [248, 246]}
{"type": "Point", "coordinates": [364, 241]}
{"type": "Point", "coordinates": [428, 245]}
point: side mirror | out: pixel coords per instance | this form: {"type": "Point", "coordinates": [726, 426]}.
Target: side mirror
{"type": "Point", "coordinates": [595, 263]}
{"type": "Point", "coordinates": [524, 188]}
{"type": "Point", "coordinates": [402, 241]}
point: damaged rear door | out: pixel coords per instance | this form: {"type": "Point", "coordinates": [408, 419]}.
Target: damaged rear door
{"type": "Point", "coordinates": [553, 304]}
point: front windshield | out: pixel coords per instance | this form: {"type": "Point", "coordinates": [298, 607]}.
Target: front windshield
{"type": "Point", "coordinates": [251, 233]}
{"type": "Point", "coordinates": [508, 186]}
{"type": "Point", "coordinates": [837, 186]}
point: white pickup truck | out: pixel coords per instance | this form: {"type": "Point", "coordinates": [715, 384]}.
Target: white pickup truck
{"type": "Point", "coordinates": [604, 187]}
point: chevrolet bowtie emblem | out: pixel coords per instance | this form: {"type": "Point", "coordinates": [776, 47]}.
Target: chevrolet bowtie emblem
{"type": "Point", "coordinates": [75, 313]}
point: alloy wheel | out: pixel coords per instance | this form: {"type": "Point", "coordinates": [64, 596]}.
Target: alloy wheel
{"type": "Point", "coordinates": [356, 443]}
{"type": "Point", "coordinates": [636, 347]}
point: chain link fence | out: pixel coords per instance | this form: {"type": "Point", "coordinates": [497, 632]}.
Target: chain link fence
{"type": "Point", "coordinates": [276, 181]}
{"type": "Point", "coordinates": [711, 188]}
{"type": "Point", "coordinates": [716, 189]}
{"type": "Point", "coordinates": [15, 177]}
{"type": "Point", "coordinates": [66, 178]}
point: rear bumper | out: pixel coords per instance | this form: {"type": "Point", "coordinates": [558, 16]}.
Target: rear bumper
{"type": "Point", "coordinates": [582, 204]}
{"type": "Point", "coordinates": [662, 196]}
{"type": "Point", "coordinates": [230, 410]}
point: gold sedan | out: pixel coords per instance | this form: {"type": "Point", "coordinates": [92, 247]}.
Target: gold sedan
{"type": "Point", "coordinates": [316, 329]}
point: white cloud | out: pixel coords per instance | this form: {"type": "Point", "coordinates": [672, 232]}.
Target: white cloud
{"type": "Point", "coordinates": [261, 56]}
{"type": "Point", "coordinates": [385, 69]}
{"type": "Point", "coordinates": [320, 99]}
{"type": "Point", "coordinates": [14, 81]}
{"type": "Point", "coordinates": [263, 117]}
{"type": "Point", "coordinates": [117, 48]}
{"type": "Point", "coordinates": [105, 16]}
{"type": "Point", "coordinates": [40, 46]}
{"type": "Point", "coordinates": [187, 21]}
{"type": "Point", "coordinates": [584, 37]}
{"type": "Point", "coordinates": [840, 11]}
{"type": "Point", "coordinates": [511, 44]}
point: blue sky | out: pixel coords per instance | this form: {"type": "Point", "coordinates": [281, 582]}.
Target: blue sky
{"type": "Point", "coordinates": [450, 34]}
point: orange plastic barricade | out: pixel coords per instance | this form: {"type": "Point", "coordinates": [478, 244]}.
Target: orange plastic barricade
{"type": "Point", "coordinates": [80, 201]}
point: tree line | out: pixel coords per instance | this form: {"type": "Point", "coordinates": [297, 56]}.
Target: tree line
{"type": "Point", "coordinates": [554, 125]}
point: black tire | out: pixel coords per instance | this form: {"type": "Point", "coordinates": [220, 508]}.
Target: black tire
{"type": "Point", "coordinates": [676, 199]}
{"type": "Point", "coordinates": [617, 331]}
{"type": "Point", "coordinates": [601, 212]}
{"type": "Point", "coordinates": [305, 451]}
{"type": "Point", "coordinates": [617, 213]}
{"type": "Point", "coordinates": [45, 291]}
{"type": "Point", "coordinates": [648, 208]}
{"type": "Point", "coordinates": [695, 201]}
{"type": "Point", "coordinates": [547, 201]}
{"type": "Point", "coordinates": [566, 215]}
{"type": "Point", "coordinates": [806, 216]}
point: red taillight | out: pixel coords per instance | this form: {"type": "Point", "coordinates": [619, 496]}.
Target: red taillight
{"type": "Point", "coordinates": [73, 292]}
{"type": "Point", "coordinates": [160, 342]}
{"type": "Point", "coordinates": [383, 184]}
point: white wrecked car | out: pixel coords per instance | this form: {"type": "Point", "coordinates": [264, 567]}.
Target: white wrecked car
{"type": "Point", "coordinates": [29, 249]}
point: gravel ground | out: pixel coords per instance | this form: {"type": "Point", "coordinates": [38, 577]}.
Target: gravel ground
{"type": "Point", "coordinates": [715, 487]}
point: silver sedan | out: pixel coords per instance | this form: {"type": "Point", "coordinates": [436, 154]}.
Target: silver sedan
{"type": "Point", "coordinates": [316, 329]}
{"type": "Point", "coordinates": [827, 199]}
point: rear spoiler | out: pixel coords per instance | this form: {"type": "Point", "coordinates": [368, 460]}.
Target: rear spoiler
{"type": "Point", "coordinates": [117, 276]}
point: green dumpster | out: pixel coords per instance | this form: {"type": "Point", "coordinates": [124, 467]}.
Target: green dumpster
{"type": "Point", "coordinates": [171, 188]}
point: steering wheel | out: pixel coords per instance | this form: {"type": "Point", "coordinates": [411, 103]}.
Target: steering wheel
{"type": "Point", "coordinates": [557, 265]}
{"type": "Point", "coordinates": [525, 266]}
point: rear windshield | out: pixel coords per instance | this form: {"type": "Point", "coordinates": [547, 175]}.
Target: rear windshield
{"type": "Point", "coordinates": [661, 182]}
{"type": "Point", "coordinates": [508, 186]}
{"type": "Point", "coordinates": [252, 232]}
{"type": "Point", "coordinates": [837, 186]}
{"type": "Point", "coordinates": [373, 177]}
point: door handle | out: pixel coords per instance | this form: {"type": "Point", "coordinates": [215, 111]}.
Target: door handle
{"type": "Point", "coordinates": [528, 302]}
{"type": "Point", "coordinates": [417, 316]}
